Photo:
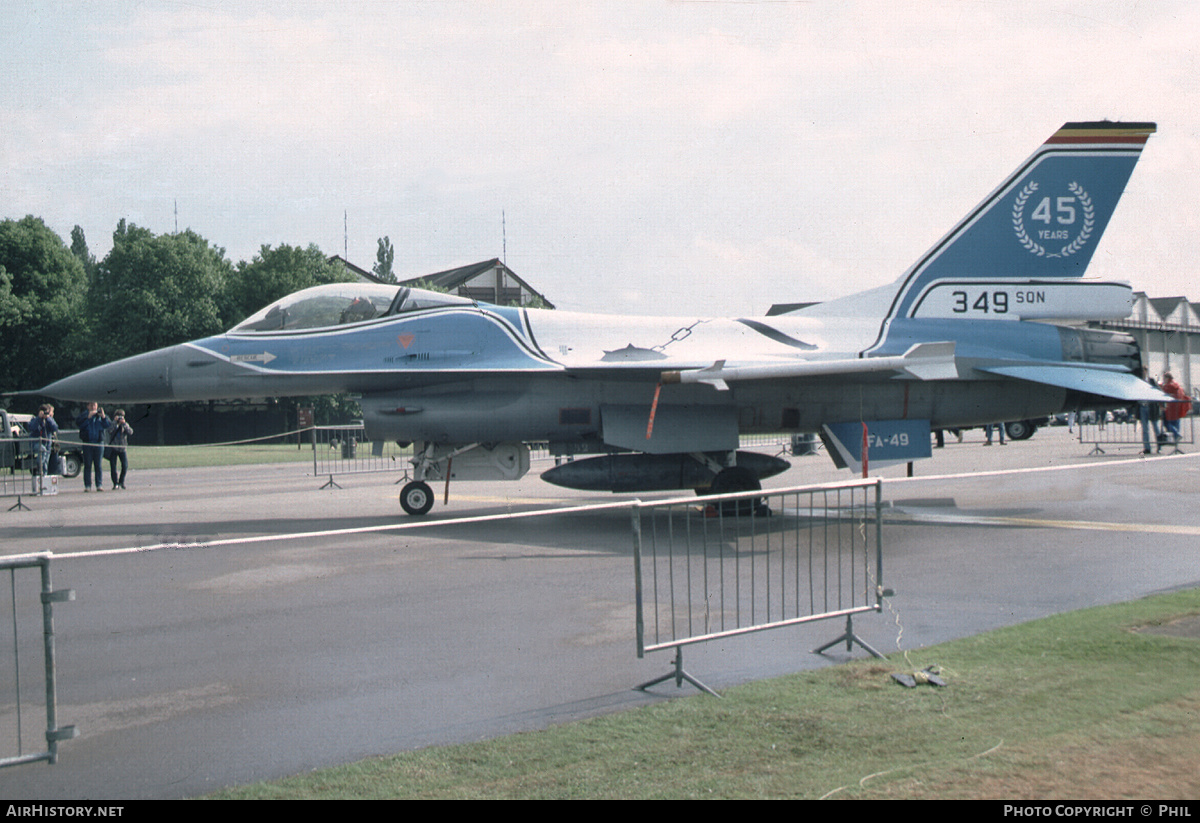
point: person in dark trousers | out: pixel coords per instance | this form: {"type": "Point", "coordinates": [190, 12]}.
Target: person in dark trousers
{"type": "Point", "coordinates": [988, 431]}
{"type": "Point", "coordinates": [43, 428]}
{"type": "Point", "coordinates": [117, 440]}
{"type": "Point", "coordinates": [1149, 413]}
{"type": "Point", "coordinates": [92, 425]}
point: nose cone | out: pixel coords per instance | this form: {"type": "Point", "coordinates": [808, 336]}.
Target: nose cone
{"type": "Point", "coordinates": [143, 378]}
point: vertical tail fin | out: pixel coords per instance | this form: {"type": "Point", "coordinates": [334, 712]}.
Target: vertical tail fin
{"type": "Point", "coordinates": [1043, 222]}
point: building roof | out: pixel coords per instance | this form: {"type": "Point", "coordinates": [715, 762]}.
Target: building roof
{"type": "Point", "coordinates": [1165, 305]}
{"type": "Point", "coordinates": [452, 279]}
{"type": "Point", "coordinates": [362, 273]}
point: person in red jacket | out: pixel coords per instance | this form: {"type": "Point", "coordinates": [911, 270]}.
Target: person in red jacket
{"type": "Point", "coordinates": [1176, 410]}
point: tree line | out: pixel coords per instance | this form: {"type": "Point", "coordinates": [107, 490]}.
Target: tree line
{"type": "Point", "coordinates": [62, 310]}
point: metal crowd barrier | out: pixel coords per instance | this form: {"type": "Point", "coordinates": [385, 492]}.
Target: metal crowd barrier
{"type": "Point", "coordinates": [17, 456]}
{"type": "Point", "coordinates": [1102, 435]}
{"type": "Point", "coordinates": [14, 704]}
{"type": "Point", "coordinates": [344, 450]}
{"type": "Point", "coordinates": [714, 567]}
{"type": "Point", "coordinates": [18, 486]}
{"type": "Point", "coordinates": [777, 444]}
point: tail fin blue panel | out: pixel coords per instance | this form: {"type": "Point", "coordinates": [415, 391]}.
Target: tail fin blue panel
{"type": "Point", "coordinates": [1043, 222]}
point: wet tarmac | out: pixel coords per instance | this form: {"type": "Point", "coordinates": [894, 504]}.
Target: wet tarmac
{"type": "Point", "coordinates": [228, 655]}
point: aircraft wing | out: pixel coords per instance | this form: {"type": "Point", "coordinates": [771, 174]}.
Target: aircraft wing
{"type": "Point", "coordinates": [1091, 379]}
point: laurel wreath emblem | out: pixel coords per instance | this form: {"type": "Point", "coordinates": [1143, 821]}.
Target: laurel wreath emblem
{"type": "Point", "coordinates": [1031, 245]}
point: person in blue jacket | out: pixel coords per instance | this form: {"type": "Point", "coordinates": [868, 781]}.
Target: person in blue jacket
{"type": "Point", "coordinates": [92, 425]}
{"type": "Point", "coordinates": [42, 429]}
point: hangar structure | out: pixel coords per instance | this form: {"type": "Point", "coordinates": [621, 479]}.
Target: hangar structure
{"type": "Point", "coordinates": [1168, 331]}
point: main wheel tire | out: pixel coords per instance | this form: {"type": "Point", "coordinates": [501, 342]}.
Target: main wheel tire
{"type": "Point", "coordinates": [416, 498]}
{"type": "Point", "coordinates": [1019, 430]}
{"type": "Point", "coordinates": [737, 479]}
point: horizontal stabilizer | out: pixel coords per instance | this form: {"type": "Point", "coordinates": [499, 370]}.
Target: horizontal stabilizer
{"type": "Point", "coordinates": [1117, 385]}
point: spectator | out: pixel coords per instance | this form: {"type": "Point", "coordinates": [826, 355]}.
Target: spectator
{"type": "Point", "coordinates": [988, 431]}
{"type": "Point", "coordinates": [117, 439]}
{"type": "Point", "coordinates": [92, 425]}
{"type": "Point", "coordinates": [1148, 413]}
{"type": "Point", "coordinates": [43, 428]}
{"type": "Point", "coordinates": [1179, 408]}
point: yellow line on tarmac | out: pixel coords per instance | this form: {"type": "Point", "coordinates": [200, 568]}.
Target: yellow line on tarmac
{"type": "Point", "coordinates": [1088, 525]}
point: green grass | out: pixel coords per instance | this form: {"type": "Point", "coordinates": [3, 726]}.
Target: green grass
{"type": "Point", "coordinates": [180, 457]}
{"type": "Point", "coordinates": [1076, 705]}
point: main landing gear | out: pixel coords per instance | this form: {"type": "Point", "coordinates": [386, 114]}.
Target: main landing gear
{"type": "Point", "coordinates": [734, 479]}
{"type": "Point", "coordinates": [731, 480]}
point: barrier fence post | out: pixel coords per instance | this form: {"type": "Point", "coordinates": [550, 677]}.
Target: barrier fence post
{"type": "Point", "coordinates": [48, 597]}
{"type": "Point", "coordinates": [639, 616]}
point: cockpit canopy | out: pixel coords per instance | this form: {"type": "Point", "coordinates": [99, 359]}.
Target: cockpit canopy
{"type": "Point", "coordinates": [338, 304]}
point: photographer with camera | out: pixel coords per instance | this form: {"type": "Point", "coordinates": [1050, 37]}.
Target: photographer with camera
{"type": "Point", "coordinates": [42, 429]}
{"type": "Point", "coordinates": [117, 439]}
{"type": "Point", "coordinates": [92, 424]}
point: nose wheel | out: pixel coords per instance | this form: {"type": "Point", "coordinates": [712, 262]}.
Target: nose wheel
{"type": "Point", "coordinates": [416, 498]}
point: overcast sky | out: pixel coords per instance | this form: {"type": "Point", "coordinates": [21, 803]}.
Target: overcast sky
{"type": "Point", "coordinates": [649, 157]}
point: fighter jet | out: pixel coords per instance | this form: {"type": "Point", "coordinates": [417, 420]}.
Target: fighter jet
{"type": "Point", "coordinates": [962, 338]}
